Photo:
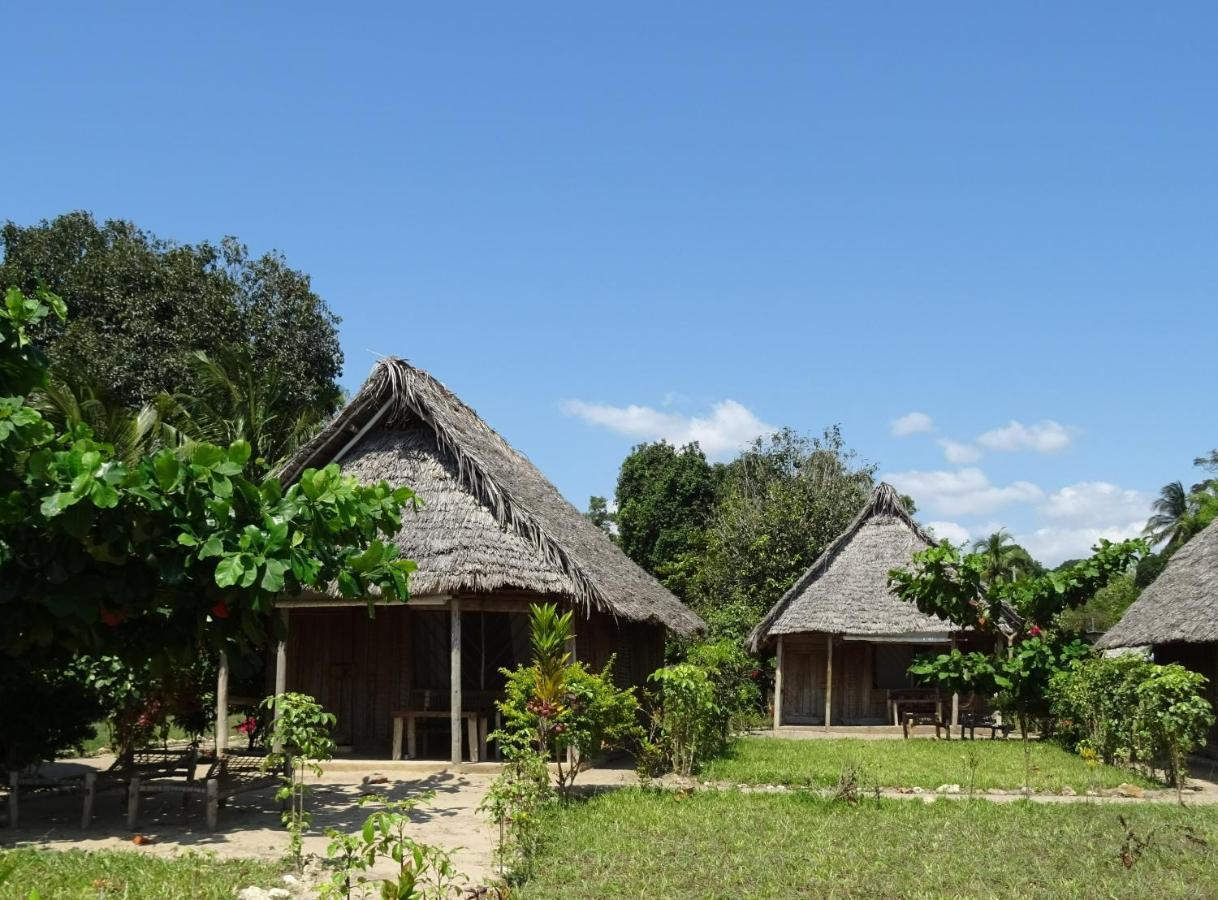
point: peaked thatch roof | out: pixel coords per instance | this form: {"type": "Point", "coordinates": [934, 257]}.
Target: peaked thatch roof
{"type": "Point", "coordinates": [490, 519]}
{"type": "Point", "coordinates": [1180, 605]}
{"type": "Point", "coordinates": [846, 590]}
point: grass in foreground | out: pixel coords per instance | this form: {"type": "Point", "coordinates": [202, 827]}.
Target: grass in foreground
{"type": "Point", "coordinates": [913, 763]}
{"type": "Point", "coordinates": [639, 843]}
{"type": "Point", "coordinates": [130, 874]}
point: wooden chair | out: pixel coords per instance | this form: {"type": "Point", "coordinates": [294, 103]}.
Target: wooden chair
{"type": "Point", "coordinates": [929, 718]}
{"type": "Point", "coordinates": [971, 721]}
{"type": "Point", "coordinates": [236, 772]}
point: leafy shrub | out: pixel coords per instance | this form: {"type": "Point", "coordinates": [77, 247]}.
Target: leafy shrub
{"type": "Point", "coordinates": [514, 802]}
{"type": "Point", "coordinates": [302, 728]}
{"type": "Point", "coordinates": [687, 725]}
{"type": "Point", "coordinates": [591, 715]}
{"type": "Point", "coordinates": [43, 714]}
{"type": "Point", "coordinates": [736, 678]}
{"type": "Point", "coordinates": [1129, 709]}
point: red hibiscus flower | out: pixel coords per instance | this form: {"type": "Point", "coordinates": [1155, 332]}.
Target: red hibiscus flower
{"type": "Point", "coordinates": [220, 610]}
{"type": "Point", "coordinates": [112, 617]}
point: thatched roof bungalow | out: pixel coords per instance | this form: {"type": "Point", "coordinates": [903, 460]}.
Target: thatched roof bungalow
{"type": "Point", "coordinates": [1176, 617]}
{"type": "Point", "coordinates": [491, 536]}
{"type": "Point", "coordinates": [843, 640]}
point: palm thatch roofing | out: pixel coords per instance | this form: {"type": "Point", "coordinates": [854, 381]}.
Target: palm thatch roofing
{"type": "Point", "coordinates": [846, 590]}
{"type": "Point", "coordinates": [489, 520]}
{"type": "Point", "coordinates": [1181, 605]}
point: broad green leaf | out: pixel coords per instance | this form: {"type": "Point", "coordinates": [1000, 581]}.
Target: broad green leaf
{"type": "Point", "coordinates": [229, 571]}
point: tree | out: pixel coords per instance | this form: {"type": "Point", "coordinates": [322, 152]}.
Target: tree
{"type": "Point", "coordinates": [1106, 607]}
{"type": "Point", "coordinates": [781, 503]}
{"type": "Point", "coordinates": [599, 515]}
{"type": "Point", "coordinates": [1168, 524]}
{"type": "Point", "coordinates": [664, 497]}
{"type": "Point", "coordinates": [166, 555]}
{"type": "Point", "coordinates": [236, 399]}
{"type": "Point", "coordinates": [1020, 615]}
{"type": "Point", "coordinates": [1004, 558]}
{"type": "Point", "coordinates": [141, 305]}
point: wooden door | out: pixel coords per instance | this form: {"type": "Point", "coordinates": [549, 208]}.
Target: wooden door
{"type": "Point", "coordinates": [803, 683]}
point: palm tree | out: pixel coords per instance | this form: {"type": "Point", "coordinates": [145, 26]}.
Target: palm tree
{"type": "Point", "coordinates": [1004, 559]}
{"type": "Point", "coordinates": [1170, 522]}
{"type": "Point", "coordinates": [233, 398]}
{"type": "Point", "coordinates": [72, 399]}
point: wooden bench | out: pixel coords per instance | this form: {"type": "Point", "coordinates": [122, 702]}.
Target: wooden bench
{"type": "Point", "coordinates": [971, 721]}
{"type": "Point", "coordinates": [912, 720]}
{"type": "Point", "coordinates": [475, 724]}
{"type": "Point", "coordinates": [31, 781]}
{"type": "Point", "coordinates": [235, 772]}
{"type": "Point", "coordinates": [146, 764]}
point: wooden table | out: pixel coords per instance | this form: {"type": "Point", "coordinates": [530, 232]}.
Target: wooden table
{"type": "Point", "coordinates": [475, 723]}
{"type": "Point", "coordinates": [913, 700]}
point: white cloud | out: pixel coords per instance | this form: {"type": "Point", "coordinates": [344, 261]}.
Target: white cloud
{"type": "Point", "coordinates": [728, 428]}
{"type": "Point", "coordinates": [911, 423]}
{"type": "Point", "coordinates": [1096, 504]}
{"type": "Point", "coordinates": [964, 492]}
{"type": "Point", "coordinates": [959, 453]}
{"type": "Point", "coordinates": [1043, 437]}
{"type": "Point", "coordinates": [1053, 545]}
{"type": "Point", "coordinates": [950, 531]}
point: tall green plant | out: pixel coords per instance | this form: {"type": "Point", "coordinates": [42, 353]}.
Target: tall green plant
{"type": "Point", "coordinates": [688, 723]}
{"type": "Point", "coordinates": [301, 727]}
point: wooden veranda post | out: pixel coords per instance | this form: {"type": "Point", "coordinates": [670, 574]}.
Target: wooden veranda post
{"type": "Point", "coordinates": [222, 705]}
{"type": "Point", "coordinates": [455, 676]}
{"type": "Point", "coordinates": [829, 682]}
{"type": "Point", "coordinates": [778, 686]}
{"type": "Point", "coordinates": [281, 674]}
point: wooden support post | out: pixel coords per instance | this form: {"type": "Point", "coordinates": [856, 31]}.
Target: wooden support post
{"type": "Point", "coordinates": [14, 788]}
{"type": "Point", "coordinates": [829, 682]}
{"type": "Point", "coordinates": [281, 675]}
{"type": "Point", "coordinates": [955, 701]}
{"type": "Point", "coordinates": [222, 706]}
{"type": "Point", "coordinates": [455, 676]}
{"type": "Point", "coordinates": [86, 815]}
{"type": "Point", "coordinates": [133, 803]}
{"type": "Point", "coordinates": [778, 686]}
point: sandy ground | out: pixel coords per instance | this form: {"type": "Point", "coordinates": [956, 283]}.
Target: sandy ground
{"type": "Point", "coordinates": [250, 825]}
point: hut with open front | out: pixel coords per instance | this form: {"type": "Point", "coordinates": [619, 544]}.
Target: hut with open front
{"type": "Point", "coordinates": [491, 536]}
{"type": "Point", "coordinates": [1176, 617]}
{"type": "Point", "coordinates": [843, 641]}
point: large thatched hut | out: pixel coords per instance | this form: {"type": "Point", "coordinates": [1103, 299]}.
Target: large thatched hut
{"type": "Point", "coordinates": [843, 641]}
{"type": "Point", "coordinates": [492, 536]}
{"type": "Point", "coordinates": [1176, 617]}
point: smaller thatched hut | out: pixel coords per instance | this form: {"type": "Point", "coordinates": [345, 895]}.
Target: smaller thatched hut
{"type": "Point", "coordinates": [844, 642]}
{"type": "Point", "coordinates": [1176, 617]}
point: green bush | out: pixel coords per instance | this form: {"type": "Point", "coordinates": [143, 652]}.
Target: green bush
{"type": "Point", "coordinates": [687, 725]}
{"type": "Point", "coordinates": [42, 713]}
{"type": "Point", "coordinates": [1128, 709]}
{"type": "Point", "coordinates": [591, 714]}
{"type": "Point", "coordinates": [736, 678]}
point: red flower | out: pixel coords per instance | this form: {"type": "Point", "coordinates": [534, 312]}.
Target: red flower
{"type": "Point", "coordinates": [220, 610]}
{"type": "Point", "coordinates": [1034, 631]}
{"type": "Point", "coordinates": [112, 617]}
{"type": "Point", "coordinates": [249, 726]}
{"type": "Point", "coordinates": [756, 673]}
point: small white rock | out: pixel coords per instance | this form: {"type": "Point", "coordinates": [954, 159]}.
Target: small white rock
{"type": "Point", "coordinates": [1068, 791]}
{"type": "Point", "coordinates": [948, 789]}
{"type": "Point", "coordinates": [278, 894]}
{"type": "Point", "coordinates": [252, 893]}
{"type": "Point", "coordinates": [919, 790]}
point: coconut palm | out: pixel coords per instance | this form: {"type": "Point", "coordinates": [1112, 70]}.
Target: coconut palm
{"type": "Point", "coordinates": [72, 399]}
{"type": "Point", "coordinates": [1170, 522]}
{"type": "Point", "coordinates": [1004, 559]}
{"type": "Point", "coordinates": [233, 398]}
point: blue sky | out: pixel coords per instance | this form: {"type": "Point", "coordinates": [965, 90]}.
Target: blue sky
{"type": "Point", "coordinates": [603, 225]}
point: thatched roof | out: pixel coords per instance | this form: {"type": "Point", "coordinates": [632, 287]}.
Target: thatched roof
{"type": "Point", "coordinates": [1180, 605]}
{"type": "Point", "coordinates": [846, 590]}
{"type": "Point", "coordinates": [490, 519]}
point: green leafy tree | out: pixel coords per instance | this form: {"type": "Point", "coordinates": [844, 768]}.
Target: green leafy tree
{"type": "Point", "coordinates": [1004, 558]}
{"type": "Point", "coordinates": [141, 305]}
{"type": "Point", "coordinates": [1020, 616]}
{"type": "Point", "coordinates": [1105, 608]}
{"type": "Point", "coordinates": [301, 726]}
{"type": "Point", "coordinates": [165, 555]}
{"type": "Point", "coordinates": [1169, 522]}
{"type": "Point", "coordinates": [599, 515]}
{"type": "Point", "coordinates": [664, 497]}
{"type": "Point", "coordinates": [782, 502]}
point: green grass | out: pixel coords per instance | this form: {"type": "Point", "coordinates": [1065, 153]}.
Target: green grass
{"type": "Point", "coordinates": [639, 843]}
{"type": "Point", "coordinates": [128, 874]}
{"type": "Point", "coordinates": [913, 763]}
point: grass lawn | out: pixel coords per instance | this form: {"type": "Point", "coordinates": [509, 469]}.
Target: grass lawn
{"type": "Point", "coordinates": [639, 843]}
{"type": "Point", "coordinates": [47, 874]}
{"type": "Point", "coordinates": [913, 763]}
